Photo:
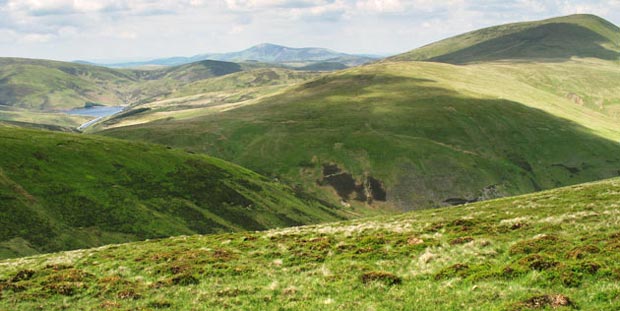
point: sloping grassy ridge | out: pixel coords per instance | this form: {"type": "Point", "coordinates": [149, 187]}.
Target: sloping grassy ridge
{"type": "Point", "coordinates": [551, 250]}
{"type": "Point", "coordinates": [431, 134]}
{"type": "Point", "coordinates": [560, 38]}
{"type": "Point", "coordinates": [65, 191]}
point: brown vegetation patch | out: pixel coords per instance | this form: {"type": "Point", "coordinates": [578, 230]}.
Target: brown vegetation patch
{"type": "Point", "coordinates": [538, 262]}
{"type": "Point", "coordinates": [461, 240]}
{"type": "Point", "coordinates": [184, 280]}
{"type": "Point", "coordinates": [109, 304]}
{"type": "Point", "coordinates": [386, 278]}
{"type": "Point", "coordinates": [456, 270]}
{"type": "Point", "coordinates": [546, 301]}
{"type": "Point", "coordinates": [518, 225]}
{"type": "Point", "coordinates": [58, 267]}
{"type": "Point", "coordinates": [128, 294]}
{"type": "Point", "coordinates": [582, 252]}
{"type": "Point", "coordinates": [160, 304]}
{"type": "Point", "coordinates": [22, 275]}
{"type": "Point", "coordinates": [414, 241]}
{"type": "Point", "coordinates": [539, 244]}
{"type": "Point", "coordinates": [65, 288]}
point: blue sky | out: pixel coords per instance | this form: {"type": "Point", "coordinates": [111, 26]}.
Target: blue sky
{"type": "Point", "coordinates": [135, 29]}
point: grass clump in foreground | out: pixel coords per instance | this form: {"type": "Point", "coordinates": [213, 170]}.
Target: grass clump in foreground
{"type": "Point", "coordinates": [556, 249]}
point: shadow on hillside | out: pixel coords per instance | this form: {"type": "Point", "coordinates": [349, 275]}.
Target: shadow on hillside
{"type": "Point", "coordinates": [557, 41]}
{"type": "Point", "coordinates": [430, 145]}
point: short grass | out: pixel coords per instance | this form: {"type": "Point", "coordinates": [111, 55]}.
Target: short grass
{"type": "Point", "coordinates": [555, 250]}
{"type": "Point", "coordinates": [62, 191]}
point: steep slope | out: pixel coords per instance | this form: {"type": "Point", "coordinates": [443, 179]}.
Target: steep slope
{"type": "Point", "coordinates": [554, 250]}
{"type": "Point", "coordinates": [65, 191]}
{"type": "Point", "coordinates": [55, 86]}
{"type": "Point", "coordinates": [411, 134]}
{"type": "Point", "coordinates": [559, 38]}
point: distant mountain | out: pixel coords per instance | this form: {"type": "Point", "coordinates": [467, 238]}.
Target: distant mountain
{"type": "Point", "coordinates": [266, 52]}
{"type": "Point", "coordinates": [564, 37]}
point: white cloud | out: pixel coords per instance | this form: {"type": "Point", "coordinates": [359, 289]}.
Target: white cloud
{"type": "Point", "coordinates": [380, 5]}
{"type": "Point", "coordinates": [70, 29]}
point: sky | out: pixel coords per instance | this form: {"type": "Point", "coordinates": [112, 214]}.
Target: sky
{"type": "Point", "coordinates": [145, 29]}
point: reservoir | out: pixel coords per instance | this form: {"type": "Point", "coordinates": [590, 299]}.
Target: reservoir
{"type": "Point", "coordinates": [97, 112]}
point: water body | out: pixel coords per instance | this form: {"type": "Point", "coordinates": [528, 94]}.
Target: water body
{"type": "Point", "coordinates": [98, 112]}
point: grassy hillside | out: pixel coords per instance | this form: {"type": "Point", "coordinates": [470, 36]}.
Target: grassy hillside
{"type": "Point", "coordinates": [64, 191]}
{"type": "Point", "coordinates": [417, 134]}
{"type": "Point", "coordinates": [10, 114]}
{"type": "Point", "coordinates": [550, 250]}
{"type": "Point", "coordinates": [50, 85]}
{"type": "Point", "coordinates": [209, 96]}
{"type": "Point", "coordinates": [583, 36]}
{"type": "Point", "coordinates": [53, 86]}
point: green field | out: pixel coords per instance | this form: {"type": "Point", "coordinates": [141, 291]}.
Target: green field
{"type": "Point", "coordinates": [63, 191]}
{"type": "Point", "coordinates": [550, 250]}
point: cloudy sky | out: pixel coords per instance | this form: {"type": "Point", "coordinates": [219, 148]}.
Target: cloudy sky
{"type": "Point", "coordinates": [134, 29]}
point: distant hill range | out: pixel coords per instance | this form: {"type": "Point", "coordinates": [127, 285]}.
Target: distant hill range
{"type": "Point", "coordinates": [266, 53]}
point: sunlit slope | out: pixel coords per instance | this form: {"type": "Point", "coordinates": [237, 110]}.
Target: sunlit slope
{"type": "Point", "coordinates": [210, 96]}
{"type": "Point", "coordinates": [562, 38]}
{"type": "Point", "coordinates": [65, 191]}
{"type": "Point", "coordinates": [426, 134]}
{"type": "Point", "coordinates": [554, 250]}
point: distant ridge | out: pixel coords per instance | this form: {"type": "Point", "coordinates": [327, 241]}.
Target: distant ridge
{"type": "Point", "coordinates": [564, 37]}
{"type": "Point", "coordinates": [264, 52]}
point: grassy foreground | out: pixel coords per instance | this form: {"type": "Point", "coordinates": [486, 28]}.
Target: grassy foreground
{"type": "Point", "coordinates": [548, 250]}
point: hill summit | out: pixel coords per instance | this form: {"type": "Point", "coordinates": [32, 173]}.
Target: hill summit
{"type": "Point", "coordinates": [581, 35]}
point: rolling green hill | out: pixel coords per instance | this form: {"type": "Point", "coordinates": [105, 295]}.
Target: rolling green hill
{"type": "Point", "coordinates": [557, 38]}
{"type": "Point", "coordinates": [209, 96]}
{"type": "Point", "coordinates": [428, 135]}
{"type": "Point", "coordinates": [554, 250]}
{"type": "Point", "coordinates": [63, 191]}
{"type": "Point", "coordinates": [43, 85]}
